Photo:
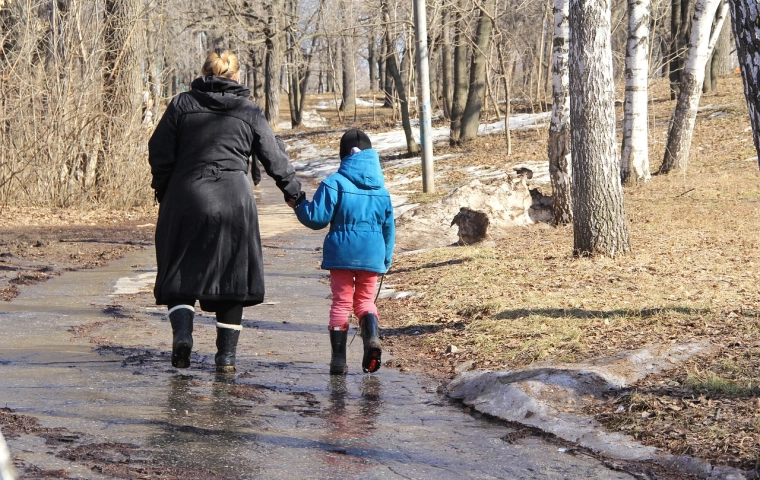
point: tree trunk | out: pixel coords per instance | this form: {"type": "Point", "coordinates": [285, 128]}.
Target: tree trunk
{"type": "Point", "coordinates": [385, 76]}
{"type": "Point", "coordinates": [348, 101]}
{"type": "Point", "coordinates": [634, 163]}
{"type": "Point", "coordinates": [599, 221]}
{"type": "Point", "coordinates": [304, 80]}
{"type": "Point", "coordinates": [723, 49]}
{"type": "Point", "coordinates": [476, 93]}
{"type": "Point", "coordinates": [272, 67]}
{"type": "Point", "coordinates": [411, 145]}
{"type": "Point", "coordinates": [720, 62]}
{"type": "Point", "coordinates": [257, 83]}
{"type": "Point", "coordinates": [460, 75]}
{"type": "Point", "coordinates": [685, 113]}
{"type": "Point", "coordinates": [406, 68]}
{"type": "Point", "coordinates": [121, 81]}
{"type": "Point", "coordinates": [435, 94]}
{"type": "Point", "coordinates": [540, 95]}
{"type": "Point", "coordinates": [745, 19]}
{"type": "Point", "coordinates": [446, 63]}
{"type": "Point", "coordinates": [372, 61]}
{"type": "Point", "coordinates": [560, 161]}
{"type": "Point", "coordinates": [679, 40]}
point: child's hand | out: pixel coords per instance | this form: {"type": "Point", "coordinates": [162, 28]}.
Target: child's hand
{"type": "Point", "coordinates": [293, 202]}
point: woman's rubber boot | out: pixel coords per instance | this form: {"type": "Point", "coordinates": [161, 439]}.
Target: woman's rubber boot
{"type": "Point", "coordinates": [372, 348]}
{"type": "Point", "coordinates": [226, 346]}
{"type": "Point", "coordinates": [181, 318]}
{"type": "Point", "coordinates": [338, 341]}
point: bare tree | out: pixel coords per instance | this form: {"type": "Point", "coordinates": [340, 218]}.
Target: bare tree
{"type": "Point", "coordinates": [635, 135]}
{"type": "Point", "coordinates": [121, 80]}
{"type": "Point", "coordinates": [459, 98]}
{"type": "Point", "coordinates": [560, 161]}
{"type": "Point", "coordinates": [720, 61]}
{"type": "Point", "coordinates": [701, 43]}
{"type": "Point", "coordinates": [411, 145]}
{"type": "Point", "coordinates": [599, 220]}
{"type": "Point", "coordinates": [744, 19]}
{"type": "Point", "coordinates": [348, 100]}
{"type": "Point", "coordinates": [680, 14]}
{"type": "Point", "coordinates": [477, 83]}
{"type": "Point", "coordinates": [273, 65]}
{"type": "Point", "coordinates": [446, 66]}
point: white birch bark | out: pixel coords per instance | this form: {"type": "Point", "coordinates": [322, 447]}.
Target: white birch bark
{"type": "Point", "coordinates": [600, 226]}
{"type": "Point", "coordinates": [7, 472]}
{"type": "Point", "coordinates": [634, 163]}
{"type": "Point", "coordinates": [685, 113]}
{"type": "Point", "coordinates": [560, 162]}
{"type": "Point", "coordinates": [745, 18]}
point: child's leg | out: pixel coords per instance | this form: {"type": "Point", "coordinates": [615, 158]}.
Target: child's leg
{"type": "Point", "coordinates": [364, 293]}
{"type": "Point", "coordinates": [364, 306]}
{"type": "Point", "coordinates": [342, 286]}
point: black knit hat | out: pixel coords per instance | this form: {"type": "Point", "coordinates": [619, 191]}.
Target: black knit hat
{"type": "Point", "coordinates": [353, 138]}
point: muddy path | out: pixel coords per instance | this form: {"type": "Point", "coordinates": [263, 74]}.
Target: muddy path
{"type": "Point", "coordinates": [87, 390]}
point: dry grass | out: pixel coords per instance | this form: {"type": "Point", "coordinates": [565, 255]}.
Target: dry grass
{"type": "Point", "coordinates": [692, 275]}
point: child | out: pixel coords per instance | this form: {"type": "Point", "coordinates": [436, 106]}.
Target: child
{"type": "Point", "coordinates": [359, 245]}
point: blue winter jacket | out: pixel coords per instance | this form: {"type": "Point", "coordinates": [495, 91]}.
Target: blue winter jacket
{"type": "Point", "coordinates": [356, 205]}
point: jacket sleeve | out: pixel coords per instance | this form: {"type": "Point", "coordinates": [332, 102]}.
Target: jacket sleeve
{"type": "Point", "coordinates": [270, 152]}
{"type": "Point", "coordinates": [318, 213]}
{"type": "Point", "coordinates": [389, 234]}
{"type": "Point", "coordinates": [161, 150]}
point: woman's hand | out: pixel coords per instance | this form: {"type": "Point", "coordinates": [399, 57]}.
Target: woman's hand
{"type": "Point", "coordinates": [293, 202]}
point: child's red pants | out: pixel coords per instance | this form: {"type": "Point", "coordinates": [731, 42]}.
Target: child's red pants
{"type": "Point", "coordinates": [351, 289]}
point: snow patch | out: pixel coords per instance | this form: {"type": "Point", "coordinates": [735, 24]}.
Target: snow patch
{"type": "Point", "coordinates": [135, 284]}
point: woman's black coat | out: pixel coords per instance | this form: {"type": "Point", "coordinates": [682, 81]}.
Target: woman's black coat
{"type": "Point", "coordinates": [207, 236]}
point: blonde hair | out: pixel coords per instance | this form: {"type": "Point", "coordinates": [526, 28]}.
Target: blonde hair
{"type": "Point", "coordinates": [220, 63]}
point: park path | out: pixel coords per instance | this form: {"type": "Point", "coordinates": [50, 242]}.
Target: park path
{"type": "Point", "coordinates": [86, 354]}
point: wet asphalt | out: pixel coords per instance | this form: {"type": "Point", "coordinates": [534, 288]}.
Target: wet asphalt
{"type": "Point", "coordinates": [78, 357]}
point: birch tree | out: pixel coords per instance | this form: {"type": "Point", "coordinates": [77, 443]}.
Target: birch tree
{"type": "Point", "coordinates": [745, 18]}
{"type": "Point", "coordinates": [634, 162]}
{"type": "Point", "coordinates": [684, 116]}
{"type": "Point", "coordinates": [600, 226]}
{"type": "Point", "coordinates": [560, 162]}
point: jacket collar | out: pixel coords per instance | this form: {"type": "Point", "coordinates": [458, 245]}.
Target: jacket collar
{"type": "Point", "coordinates": [221, 85]}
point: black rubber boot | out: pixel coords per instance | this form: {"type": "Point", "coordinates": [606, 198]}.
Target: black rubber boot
{"type": "Point", "coordinates": [182, 329]}
{"type": "Point", "coordinates": [338, 341]}
{"type": "Point", "coordinates": [372, 348]}
{"type": "Point", "coordinates": [226, 347]}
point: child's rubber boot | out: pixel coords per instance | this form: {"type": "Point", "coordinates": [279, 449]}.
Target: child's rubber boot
{"type": "Point", "coordinates": [338, 341]}
{"type": "Point", "coordinates": [227, 337]}
{"type": "Point", "coordinates": [372, 348]}
{"type": "Point", "coordinates": [181, 318]}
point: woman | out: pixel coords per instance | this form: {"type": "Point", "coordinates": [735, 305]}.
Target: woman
{"type": "Point", "coordinates": [207, 236]}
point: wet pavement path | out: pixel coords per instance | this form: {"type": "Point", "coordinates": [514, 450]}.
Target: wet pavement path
{"type": "Point", "coordinates": [93, 368]}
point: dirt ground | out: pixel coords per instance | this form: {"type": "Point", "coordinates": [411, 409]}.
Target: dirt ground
{"type": "Point", "coordinates": [692, 275]}
{"type": "Point", "coordinates": [37, 243]}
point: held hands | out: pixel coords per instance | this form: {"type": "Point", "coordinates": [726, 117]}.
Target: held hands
{"type": "Point", "coordinates": [293, 202]}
